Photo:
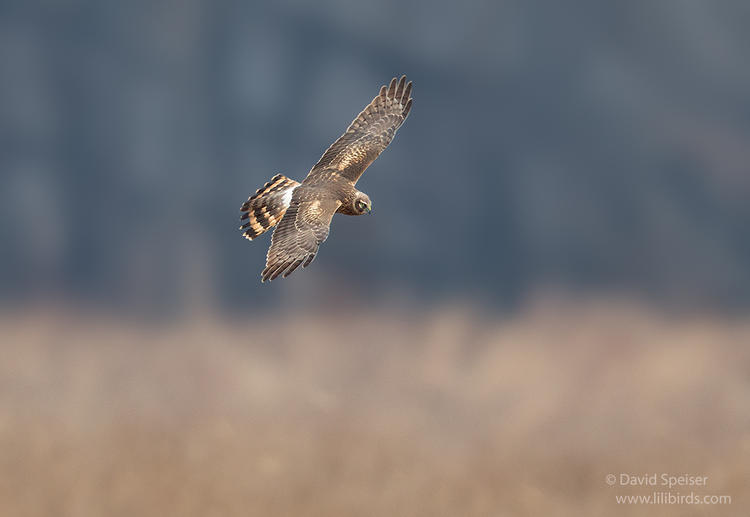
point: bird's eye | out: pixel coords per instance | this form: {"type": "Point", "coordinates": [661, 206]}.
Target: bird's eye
{"type": "Point", "coordinates": [360, 206]}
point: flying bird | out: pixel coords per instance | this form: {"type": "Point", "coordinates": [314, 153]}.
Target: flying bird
{"type": "Point", "coordinates": [302, 212]}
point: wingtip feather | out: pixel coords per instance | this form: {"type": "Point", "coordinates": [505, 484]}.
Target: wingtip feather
{"type": "Point", "coordinates": [392, 88]}
{"type": "Point", "coordinates": [400, 88]}
{"type": "Point", "coordinates": [407, 93]}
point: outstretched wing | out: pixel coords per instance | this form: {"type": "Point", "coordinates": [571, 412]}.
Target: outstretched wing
{"type": "Point", "coordinates": [296, 239]}
{"type": "Point", "coordinates": [368, 134]}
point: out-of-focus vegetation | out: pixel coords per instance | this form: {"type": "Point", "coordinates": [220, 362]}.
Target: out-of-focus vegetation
{"type": "Point", "coordinates": [437, 413]}
{"type": "Point", "coordinates": [587, 148]}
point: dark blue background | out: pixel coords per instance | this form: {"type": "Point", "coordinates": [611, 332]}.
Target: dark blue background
{"type": "Point", "coordinates": [590, 146]}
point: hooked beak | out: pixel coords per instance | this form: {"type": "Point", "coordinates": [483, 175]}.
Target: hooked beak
{"type": "Point", "coordinates": [369, 210]}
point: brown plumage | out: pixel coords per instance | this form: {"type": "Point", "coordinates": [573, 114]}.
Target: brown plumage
{"type": "Point", "coordinates": [267, 206]}
{"type": "Point", "coordinates": [304, 211]}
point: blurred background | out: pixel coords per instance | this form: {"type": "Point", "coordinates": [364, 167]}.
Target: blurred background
{"type": "Point", "coordinates": [554, 285]}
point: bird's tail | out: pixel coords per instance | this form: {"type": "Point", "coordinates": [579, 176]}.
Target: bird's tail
{"type": "Point", "coordinates": [267, 206]}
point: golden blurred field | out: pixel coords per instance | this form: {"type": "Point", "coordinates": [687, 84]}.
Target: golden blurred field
{"type": "Point", "coordinates": [448, 412]}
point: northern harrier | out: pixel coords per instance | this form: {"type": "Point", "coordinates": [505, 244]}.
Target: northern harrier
{"type": "Point", "coordinates": [304, 210]}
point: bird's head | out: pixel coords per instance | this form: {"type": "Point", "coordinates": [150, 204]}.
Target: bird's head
{"type": "Point", "coordinates": [362, 204]}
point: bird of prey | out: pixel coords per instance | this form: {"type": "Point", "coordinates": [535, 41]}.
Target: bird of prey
{"type": "Point", "coordinates": [303, 211]}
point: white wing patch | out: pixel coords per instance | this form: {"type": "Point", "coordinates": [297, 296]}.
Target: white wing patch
{"type": "Point", "coordinates": [287, 197]}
